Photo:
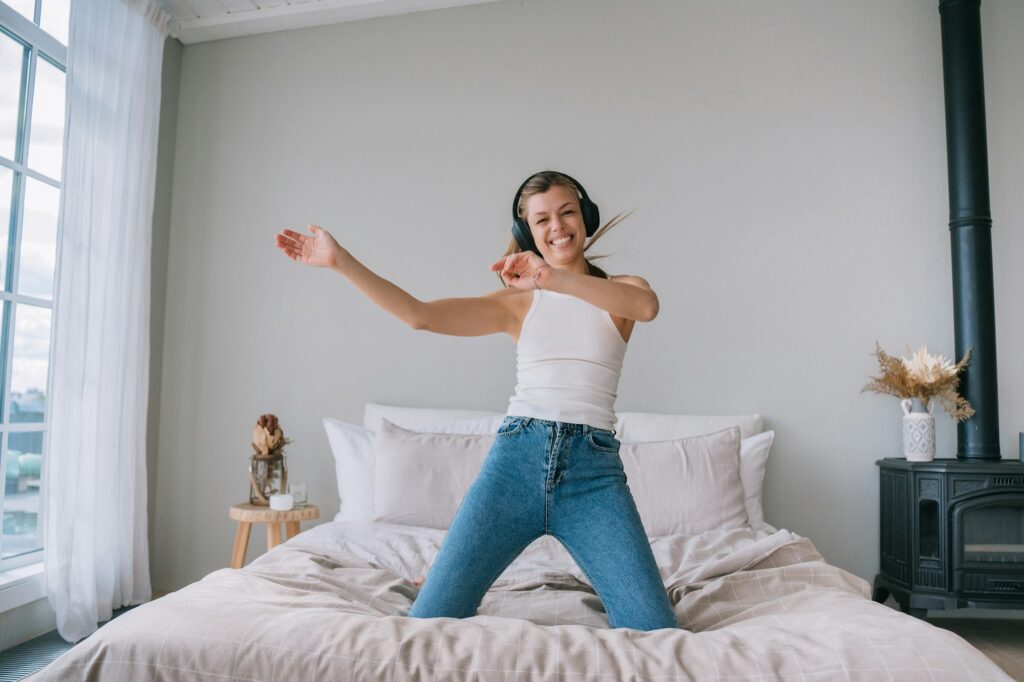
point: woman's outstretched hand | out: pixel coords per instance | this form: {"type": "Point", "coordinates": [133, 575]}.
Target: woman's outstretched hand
{"type": "Point", "coordinates": [517, 269]}
{"type": "Point", "coordinates": [317, 249]}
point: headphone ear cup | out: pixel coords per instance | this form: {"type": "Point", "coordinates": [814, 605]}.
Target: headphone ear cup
{"type": "Point", "coordinates": [522, 235]}
{"type": "Point", "coordinates": [591, 216]}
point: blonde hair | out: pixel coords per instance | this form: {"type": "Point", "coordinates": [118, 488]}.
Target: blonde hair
{"type": "Point", "coordinates": [542, 182]}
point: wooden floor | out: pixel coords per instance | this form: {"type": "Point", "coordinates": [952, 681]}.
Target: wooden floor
{"type": "Point", "coordinates": [1001, 639]}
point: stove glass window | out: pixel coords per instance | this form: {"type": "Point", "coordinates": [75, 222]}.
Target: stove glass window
{"type": "Point", "coordinates": [994, 534]}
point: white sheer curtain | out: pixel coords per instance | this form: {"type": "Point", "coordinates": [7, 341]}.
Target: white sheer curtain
{"type": "Point", "coordinates": [94, 493]}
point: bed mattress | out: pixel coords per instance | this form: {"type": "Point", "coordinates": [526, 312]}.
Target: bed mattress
{"type": "Point", "coordinates": [330, 604]}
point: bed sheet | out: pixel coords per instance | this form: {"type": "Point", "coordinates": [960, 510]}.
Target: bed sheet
{"type": "Point", "coordinates": [330, 604]}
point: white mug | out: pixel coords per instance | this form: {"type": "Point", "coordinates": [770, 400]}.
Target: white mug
{"type": "Point", "coordinates": [281, 502]}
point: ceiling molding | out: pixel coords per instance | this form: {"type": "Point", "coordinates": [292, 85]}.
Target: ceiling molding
{"type": "Point", "coordinates": [197, 21]}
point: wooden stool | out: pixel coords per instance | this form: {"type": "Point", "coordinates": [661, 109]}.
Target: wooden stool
{"type": "Point", "coordinates": [247, 514]}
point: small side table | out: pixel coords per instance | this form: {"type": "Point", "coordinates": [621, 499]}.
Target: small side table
{"type": "Point", "coordinates": [247, 514]}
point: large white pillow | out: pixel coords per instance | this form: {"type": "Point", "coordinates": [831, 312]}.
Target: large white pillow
{"type": "Point", "coordinates": [352, 447]}
{"type": "Point", "coordinates": [639, 427]}
{"type": "Point", "coordinates": [687, 485]}
{"type": "Point", "coordinates": [634, 427]}
{"type": "Point", "coordinates": [753, 458]}
{"type": "Point", "coordinates": [432, 420]}
{"type": "Point", "coordinates": [421, 478]}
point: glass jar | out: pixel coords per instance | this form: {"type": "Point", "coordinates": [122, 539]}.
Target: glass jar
{"type": "Point", "coordinates": [268, 475]}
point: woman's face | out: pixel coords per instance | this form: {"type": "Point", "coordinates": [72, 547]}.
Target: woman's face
{"type": "Point", "coordinates": [556, 224]}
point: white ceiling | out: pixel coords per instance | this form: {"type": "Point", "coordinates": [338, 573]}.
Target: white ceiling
{"type": "Point", "coordinates": [196, 21]}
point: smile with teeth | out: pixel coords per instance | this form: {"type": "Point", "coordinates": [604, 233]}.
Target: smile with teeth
{"type": "Point", "coordinates": [562, 241]}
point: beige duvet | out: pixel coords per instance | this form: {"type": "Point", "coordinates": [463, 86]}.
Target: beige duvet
{"type": "Point", "coordinates": [330, 605]}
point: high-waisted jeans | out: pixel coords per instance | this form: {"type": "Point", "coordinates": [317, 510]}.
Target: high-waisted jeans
{"type": "Point", "coordinates": [555, 478]}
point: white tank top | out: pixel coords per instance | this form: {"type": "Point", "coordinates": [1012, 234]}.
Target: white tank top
{"type": "Point", "coordinates": [569, 357]}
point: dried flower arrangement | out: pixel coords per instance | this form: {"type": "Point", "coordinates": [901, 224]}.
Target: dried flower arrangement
{"type": "Point", "coordinates": [922, 376]}
{"type": "Point", "coordinates": [268, 472]}
{"type": "Point", "coordinates": [267, 436]}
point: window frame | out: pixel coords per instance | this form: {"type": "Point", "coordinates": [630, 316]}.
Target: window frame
{"type": "Point", "coordinates": [39, 45]}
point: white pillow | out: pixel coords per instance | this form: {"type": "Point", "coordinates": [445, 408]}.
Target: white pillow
{"type": "Point", "coordinates": [421, 478]}
{"type": "Point", "coordinates": [754, 453]}
{"type": "Point", "coordinates": [635, 427]}
{"type": "Point", "coordinates": [753, 457]}
{"type": "Point", "coordinates": [639, 427]}
{"type": "Point", "coordinates": [352, 447]}
{"type": "Point", "coordinates": [686, 485]}
{"type": "Point", "coordinates": [432, 420]}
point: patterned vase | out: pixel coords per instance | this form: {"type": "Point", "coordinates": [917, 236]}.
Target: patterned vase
{"type": "Point", "coordinates": [918, 431]}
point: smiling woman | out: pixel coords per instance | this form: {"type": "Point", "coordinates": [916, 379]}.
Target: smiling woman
{"type": "Point", "coordinates": [571, 322]}
{"type": "Point", "coordinates": [559, 199]}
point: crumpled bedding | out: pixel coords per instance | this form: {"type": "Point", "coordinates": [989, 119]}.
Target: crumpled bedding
{"type": "Point", "coordinates": [330, 604]}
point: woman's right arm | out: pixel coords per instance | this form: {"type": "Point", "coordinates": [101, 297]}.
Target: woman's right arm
{"type": "Point", "coordinates": [475, 316]}
{"type": "Point", "coordinates": [472, 316]}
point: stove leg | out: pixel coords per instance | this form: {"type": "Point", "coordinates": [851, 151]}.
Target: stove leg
{"type": "Point", "coordinates": [880, 593]}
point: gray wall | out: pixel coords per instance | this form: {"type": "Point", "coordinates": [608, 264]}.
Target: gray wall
{"type": "Point", "coordinates": [786, 161]}
{"type": "Point", "coordinates": [171, 83]}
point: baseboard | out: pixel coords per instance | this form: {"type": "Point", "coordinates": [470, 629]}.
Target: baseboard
{"type": "Point", "coordinates": [25, 622]}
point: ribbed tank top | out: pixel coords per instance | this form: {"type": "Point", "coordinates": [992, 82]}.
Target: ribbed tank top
{"type": "Point", "coordinates": [569, 357]}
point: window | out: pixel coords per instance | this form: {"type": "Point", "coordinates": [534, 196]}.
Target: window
{"type": "Point", "coordinates": [33, 54]}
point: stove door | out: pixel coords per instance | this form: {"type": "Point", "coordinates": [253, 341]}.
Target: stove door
{"type": "Point", "coordinates": [988, 544]}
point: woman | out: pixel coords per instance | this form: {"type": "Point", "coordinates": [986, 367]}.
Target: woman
{"type": "Point", "coordinates": [554, 467]}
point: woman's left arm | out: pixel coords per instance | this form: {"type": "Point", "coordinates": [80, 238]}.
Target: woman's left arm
{"type": "Point", "coordinates": [627, 296]}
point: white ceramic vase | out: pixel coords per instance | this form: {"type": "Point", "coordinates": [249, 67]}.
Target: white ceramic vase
{"type": "Point", "coordinates": [918, 433]}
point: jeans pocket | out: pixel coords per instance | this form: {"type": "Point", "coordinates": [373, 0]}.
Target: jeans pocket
{"type": "Point", "coordinates": [510, 426]}
{"type": "Point", "coordinates": [602, 440]}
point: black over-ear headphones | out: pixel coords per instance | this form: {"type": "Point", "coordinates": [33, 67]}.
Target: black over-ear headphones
{"type": "Point", "coordinates": [521, 230]}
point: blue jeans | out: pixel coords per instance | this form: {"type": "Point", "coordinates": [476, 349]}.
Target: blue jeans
{"type": "Point", "coordinates": [555, 478]}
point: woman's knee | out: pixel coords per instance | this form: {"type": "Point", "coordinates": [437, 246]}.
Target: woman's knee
{"type": "Point", "coordinates": [653, 619]}
{"type": "Point", "coordinates": [443, 608]}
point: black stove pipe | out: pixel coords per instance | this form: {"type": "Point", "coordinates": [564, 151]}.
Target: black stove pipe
{"type": "Point", "coordinates": [970, 225]}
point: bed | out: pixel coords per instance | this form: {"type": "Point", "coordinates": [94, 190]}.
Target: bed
{"type": "Point", "coordinates": [752, 601]}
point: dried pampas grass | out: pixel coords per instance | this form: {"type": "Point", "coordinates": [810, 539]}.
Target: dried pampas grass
{"type": "Point", "coordinates": [924, 377]}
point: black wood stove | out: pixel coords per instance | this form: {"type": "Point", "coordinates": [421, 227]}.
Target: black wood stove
{"type": "Point", "coordinates": [952, 534]}
{"type": "Point", "coordinates": [952, 530]}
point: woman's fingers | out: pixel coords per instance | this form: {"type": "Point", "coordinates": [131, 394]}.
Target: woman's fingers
{"type": "Point", "coordinates": [296, 246]}
{"type": "Point", "coordinates": [290, 251]}
{"type": "Point", "coordinates": [291, 248]}
{"type": "Point", "coordinates": [509, 266]}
